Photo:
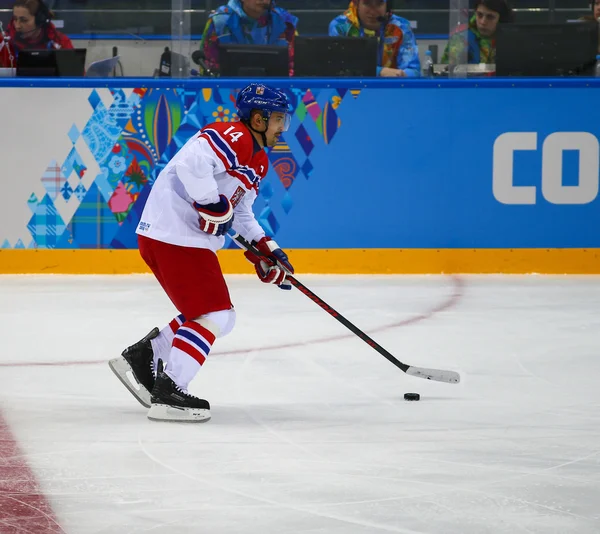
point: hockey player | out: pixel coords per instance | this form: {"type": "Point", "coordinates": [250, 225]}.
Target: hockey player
{"type": "Point", "coordinates": [206, 189]}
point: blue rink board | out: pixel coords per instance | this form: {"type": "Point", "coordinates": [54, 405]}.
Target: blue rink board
{"type": "Point", "coordinates": [411, 164]}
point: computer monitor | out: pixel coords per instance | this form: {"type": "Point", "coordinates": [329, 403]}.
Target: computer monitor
{"type": "Point", "coordinates": [252, 61]}
{"type": "Point", "coordinates": [566, 49]}
{"type": "Point", "coordinates": [335, 56]}
{"type": "Point", "coordinates": [63, 62]}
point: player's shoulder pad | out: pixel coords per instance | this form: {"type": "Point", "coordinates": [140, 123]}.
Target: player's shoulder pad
{"type": "Point", "coordinates": [231, 139]}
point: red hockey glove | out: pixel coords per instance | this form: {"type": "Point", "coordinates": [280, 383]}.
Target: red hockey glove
{"type": "Point", "coordinates": [215, 219]}
{"type": "Point", "coordinates": [273, 267]}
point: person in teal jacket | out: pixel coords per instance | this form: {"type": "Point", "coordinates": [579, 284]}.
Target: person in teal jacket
{"type": "Point", "coordinates": [476, 41]}
{"type": "Point", "coordinates": [248, 22]}
{"type": "Point", "coordinates": [398, 50]}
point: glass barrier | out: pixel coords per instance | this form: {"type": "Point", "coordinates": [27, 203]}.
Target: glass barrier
{"type": "Point", "coordinates": [161, 38]}
{"type": "Point", "coordinates": [537, 38]}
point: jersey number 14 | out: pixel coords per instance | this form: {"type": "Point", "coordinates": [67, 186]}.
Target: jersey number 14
{"type": "Point", "coordinates": [234, 135]}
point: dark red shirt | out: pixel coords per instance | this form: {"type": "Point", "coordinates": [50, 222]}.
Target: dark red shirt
{"type": "Point", "coordinates": [49, 38]}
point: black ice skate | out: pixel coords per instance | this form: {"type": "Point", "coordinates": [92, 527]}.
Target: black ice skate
{"type": "Point", "coordinates": [171, 403]}
{"type": "Point", "coordinates": [134, 368]}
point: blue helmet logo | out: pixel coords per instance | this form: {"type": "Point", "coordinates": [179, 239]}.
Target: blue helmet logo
{"type": "Point", "coordinates": [257, 96]}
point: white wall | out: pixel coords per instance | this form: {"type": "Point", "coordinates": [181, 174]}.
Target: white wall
{"type": "Point", "coordinates": [35, 134]}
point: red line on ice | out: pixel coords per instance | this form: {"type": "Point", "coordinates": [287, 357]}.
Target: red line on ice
{"type": "Point", "coordinates": [448, 303]}
{"type": "Point", "coordinates": [23, 507]}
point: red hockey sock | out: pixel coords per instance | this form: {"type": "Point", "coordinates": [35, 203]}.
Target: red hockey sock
{"type": "Point", "coordinates": [191, 346]}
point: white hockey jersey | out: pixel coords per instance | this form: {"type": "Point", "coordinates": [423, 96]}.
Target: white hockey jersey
{"type": "Point", "coordinates": [222, 158]}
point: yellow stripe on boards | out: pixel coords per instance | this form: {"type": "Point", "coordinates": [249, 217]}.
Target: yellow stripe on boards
{"type": "Point", "coordinates": [323, 261]}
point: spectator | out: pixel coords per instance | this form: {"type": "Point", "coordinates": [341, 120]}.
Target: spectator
{"type": "Point", "coordinates": [596, 10]}
{"type": "Point", "coordinates": [30, 28]}
{"type": "Point", "coordinates": [398, 51]}
{"type": "Point", "coordinates": [248, 22]}
{"type": "Point", "coordinates": [595, 14]}
{"type": "Point", "coordinates": [478, 37]}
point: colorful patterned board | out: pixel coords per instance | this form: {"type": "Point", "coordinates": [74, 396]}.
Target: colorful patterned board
{"type": "Point", "coordinates": [132, 139]}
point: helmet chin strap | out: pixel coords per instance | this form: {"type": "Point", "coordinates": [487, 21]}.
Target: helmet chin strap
{"type": "Point", "coordinates": [262, 134]}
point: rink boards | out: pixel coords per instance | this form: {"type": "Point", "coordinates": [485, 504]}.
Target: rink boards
{"type": "Point", "coordinates": [378, 177]}
{"type": "Point", "coordinates": [324, 261]}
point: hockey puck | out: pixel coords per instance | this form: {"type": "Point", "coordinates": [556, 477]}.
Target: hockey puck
{"type": "Point", "coordinates": [412, 396]}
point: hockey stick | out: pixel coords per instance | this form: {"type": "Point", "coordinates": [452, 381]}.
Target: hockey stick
{"type": "Point", "coordinates": [450, 377]}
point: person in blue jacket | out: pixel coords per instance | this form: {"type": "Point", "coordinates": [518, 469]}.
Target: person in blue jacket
{"type": "Point", "coordinates": [248, 22]}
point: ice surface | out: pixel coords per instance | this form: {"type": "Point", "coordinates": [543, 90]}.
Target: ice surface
{"type": "Point", "coordinates": [310, 433]}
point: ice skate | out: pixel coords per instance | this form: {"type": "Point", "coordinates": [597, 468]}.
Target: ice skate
{"type": "Point", "coordinates": [134, 368]}
{"type": "Point", "coordinates": [171, 403]}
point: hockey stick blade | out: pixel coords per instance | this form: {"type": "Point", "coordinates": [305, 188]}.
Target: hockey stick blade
{"type": "Point", "coordinates": [450, 377]}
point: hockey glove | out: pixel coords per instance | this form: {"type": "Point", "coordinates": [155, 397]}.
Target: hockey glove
{"type": "Point", "coordinates": [273, 266]}
{"type": "Point", "coordinates": [215, 219]}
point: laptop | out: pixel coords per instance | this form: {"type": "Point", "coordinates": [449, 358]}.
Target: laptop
{"type": "Point", "coordinates": [63, 62]}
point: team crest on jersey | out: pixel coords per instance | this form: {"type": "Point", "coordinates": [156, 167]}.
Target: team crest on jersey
{"type": "Point", "coordinates": [260, 90]}
{"type": "Point", "coordinates": [237, 196]}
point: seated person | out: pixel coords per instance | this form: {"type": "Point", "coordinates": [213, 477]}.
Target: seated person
{"type": "Point", "coordinates": [478, 38]}
{"type": "Point", "coordinates": [595, 14]}
{"type": "Point", "coordinates": [30, 28]}
{"type": "Point", "coordinates": [398, 54]}
{"type": "Point", "coordinates": [247, 22]}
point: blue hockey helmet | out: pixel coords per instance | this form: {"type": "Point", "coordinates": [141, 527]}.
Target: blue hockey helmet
{"type": "Point", "coordinates": [257, 96]}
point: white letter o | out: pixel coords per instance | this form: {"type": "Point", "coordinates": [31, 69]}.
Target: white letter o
{"type": "Point", "coordinates": [552, 168]}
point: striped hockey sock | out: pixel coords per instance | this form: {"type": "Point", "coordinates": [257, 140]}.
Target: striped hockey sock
{"type": "Point", "coordinates": [191, 346]}
{"type": "Point", "coordinates": [161, 344]}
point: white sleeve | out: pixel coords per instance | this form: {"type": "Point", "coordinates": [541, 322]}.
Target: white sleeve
{"type": "Point", "coordinates": [244, 222]}
{"type": "Point", "coordinates": [196, 168]}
